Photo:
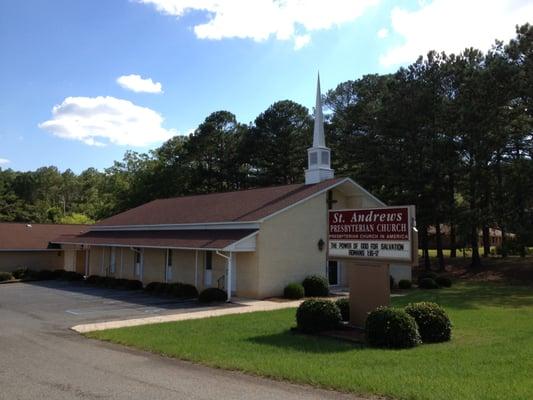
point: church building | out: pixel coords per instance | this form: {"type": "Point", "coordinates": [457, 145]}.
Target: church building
{"type": "Point", "coordinates": [251, 243]}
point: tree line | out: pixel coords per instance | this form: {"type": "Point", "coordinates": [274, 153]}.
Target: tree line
{"type": "Point", "coordinates": [451, 134]}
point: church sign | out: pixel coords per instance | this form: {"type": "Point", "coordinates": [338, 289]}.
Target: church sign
{"type": "Point", "coordinates": [381, 234]}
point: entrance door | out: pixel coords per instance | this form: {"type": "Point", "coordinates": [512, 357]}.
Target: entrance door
{"type": "Point", "coordinates": [168, 269]}
{"type": "Point", "coordinates": [333, 272]}
{"type": "Point", "coordinates": [80, 261]}
{"type": "Point", "coordinates": [208, 269]}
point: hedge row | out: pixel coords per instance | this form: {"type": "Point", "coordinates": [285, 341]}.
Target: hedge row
{"type": "Point", "coordinates": [176, 289]}
{"type": "Point", "coordinates": [114, 283]}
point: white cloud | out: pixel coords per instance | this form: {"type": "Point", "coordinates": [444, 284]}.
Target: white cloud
{"type": "Point", "coordinates": [4, 161]}
{"type": "Point", "coordinates": [261, 19]}
{"type": "Point", "coordinates": [383, 33]}
{"type": "Point", "coordinates": [138, 84]}
{"type": "Point", "coordinates": [453, 25]}
{"type": "Point", "coordinates": [99, 120]}
{"type": "Point", "coordinates": [301, 41]}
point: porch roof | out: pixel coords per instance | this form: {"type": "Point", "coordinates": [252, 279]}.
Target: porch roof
{"type": "Point", "coordinates": [175, 239]}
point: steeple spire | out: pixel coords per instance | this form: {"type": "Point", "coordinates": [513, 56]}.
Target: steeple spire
{"type": "Point", "coordinates": [318, 133]}
{"type": "Point", "coordinates": [319, 160]}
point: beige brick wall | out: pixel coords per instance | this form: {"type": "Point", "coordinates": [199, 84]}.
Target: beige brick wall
{"type": "Point", "coordinates": [154, 266]}
{"type": "Point", "coordinates": [35, 260]}
{"type": "Point", "coordinates": [287, 246]}
{"type": "Point", "coordinates": [247, 274]}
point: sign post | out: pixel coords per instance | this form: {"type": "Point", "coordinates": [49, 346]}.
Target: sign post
{"type": "Point", "coordinates": [368, 240]}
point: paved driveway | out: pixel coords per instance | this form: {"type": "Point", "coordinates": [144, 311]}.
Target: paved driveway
{"type": "Point", "coordinates": [41, 359]}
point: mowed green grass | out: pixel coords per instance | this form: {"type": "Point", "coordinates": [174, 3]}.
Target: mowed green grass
{"type": "Point", "coordinates": [489, 357]}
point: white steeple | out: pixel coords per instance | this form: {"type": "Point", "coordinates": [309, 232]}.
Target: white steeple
{"type": "Point", "coordinates": [318, 156]}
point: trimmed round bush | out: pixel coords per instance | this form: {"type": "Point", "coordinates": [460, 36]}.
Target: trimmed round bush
{"type": "Point", "coordinates": [121, 283]}
{"type": "Point", "coordinates": [344, 308]}
{"type": "Point", "coordinates": [427, 274]}
{"type": "Point", "coordinates": [20, 273]}
{"type": "Point", "coordinates": [71, 276]}
{"type": "Point", "coordinates": [315, 315]}
{"type": "Point", "coordinates": [391, 328]}
{"type": "Point", "coordinates": [211, 295]}
{"type": "Point", "coordinates": [152, 287]}
{"type": "Point", "coordinates": [58, 273]}
{"type": "Point", "coordinates": [133, 284]}
{"type": "Point", "coordinates": [42, 275]}
{"type": "Point", "coordinates": [294, 291]}
{"type": "Point", "coordinates": [428, 283]}
{"type": "Point", "coordinates": [188, 291]}
{"type": "Point", "coordinates": [433, 323]}
{"type": "Point", "coordinates": [94, 280]}
{"type": "Point", "coordinates": [316, 286]}
{"type": "Point", "coordinates": [405, 284]}
{"type": "Point", "coordinates": [5, 276]}
{"type": "Point", "coordinates": [444, 281]}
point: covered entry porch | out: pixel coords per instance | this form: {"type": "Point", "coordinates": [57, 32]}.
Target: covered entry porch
{"type": "Point", "coordinates": [203, 258]}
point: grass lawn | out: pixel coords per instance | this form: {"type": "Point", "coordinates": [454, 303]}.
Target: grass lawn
{"type": "Point", "coordinates": [489, 357]}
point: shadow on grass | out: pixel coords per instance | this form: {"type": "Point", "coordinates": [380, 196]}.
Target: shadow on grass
{"type": "Point", "coordinates": [473, 296]}
{"type": "Point", "coordinates": [295, 341]}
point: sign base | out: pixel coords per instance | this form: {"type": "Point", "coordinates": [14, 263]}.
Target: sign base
{"type": "Point", "coordinates": [369, 288]}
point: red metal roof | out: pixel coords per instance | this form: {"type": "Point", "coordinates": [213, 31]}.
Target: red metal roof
{"type": "Point", "coordinates": [17, 236]}
{"type": "Point", "coordinates": [241, 206]}
{"type": "Point", "coordinates": [184, 239]}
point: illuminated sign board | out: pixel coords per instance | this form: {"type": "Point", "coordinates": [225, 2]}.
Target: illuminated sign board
{"type": "Point", "coordinates": [382, 234]}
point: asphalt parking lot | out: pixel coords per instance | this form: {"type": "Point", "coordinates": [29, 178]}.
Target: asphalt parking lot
{"type": "Point", "coordinates": [40, 358]}
{"type": "Point", "coordinates": [69, 303]}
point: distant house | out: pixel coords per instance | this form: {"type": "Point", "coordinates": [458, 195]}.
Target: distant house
{"type": "Point", "coordinates": [30, 246]}
{"type": "Point", "coordinates": [495, 237]}
{"type": "Point", "coordinates": [251, 243]}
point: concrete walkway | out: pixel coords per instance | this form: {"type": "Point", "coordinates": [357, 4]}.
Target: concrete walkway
{"type": "Point", "coordinates": [237, 306]}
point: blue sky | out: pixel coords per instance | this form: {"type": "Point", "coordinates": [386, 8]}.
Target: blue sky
{"type": "Point", "coordinates": [226, 54]}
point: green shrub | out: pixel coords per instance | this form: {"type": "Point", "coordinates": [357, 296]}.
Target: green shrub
{"type": "Point", "coordinates": [121, 283]}
{"type": "Point", "coordinates": [71, 276]}
{"type": "Point", "coordinates": [184, 290]}
{"type": "Point", "coordinates": [427, 274]}
{"type": "Point", "coordinates": [405, 284]}
{"type": "Point", "coordinates": [95, 280]}
{"type": "Point", "coordinates": [443, 281]}
{"type": "Point", "coordinates": [315, 315]}
{"type": "Point", "coordinates": [392, 328]}
{"type": "Point", "coordinates": [132, 284]}
{"type": "Point", "coordinates": [391, 282]}
{"type": "Point", "coordinates": [5, 276]}
{"type": "Point", "coordinates": [316, 286]}
{"type": "Point", "coordinates": [344, 308]}
{"type": "Point", "coordinates": [58, 273]}
{"type": "Point", "coordinates": [210, 295]}
{"type": "Point", "coordinates": [110, 282]}
{"type": "Point", "coordinates": [433, 323]}
{"type": "Point", "coordinates": [42, 275]}
{"type": "Point", "coordinates": [20, 273]}
{"type": "Point", "coordinates": [152, 287]}
{"type": "Point", "coordinates": [293, 291]}
{"type": "Point", "coordinates": [428, 283]}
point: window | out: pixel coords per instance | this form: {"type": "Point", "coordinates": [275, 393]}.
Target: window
{"type": "Point", "coordinates": [333, 272]}
{"type": "Point", "coordinates": [313, 159]}
{"type": "Point", "coordinates": [208, 260]}
{"type": "Point", "coordinates": [325, 157]}
{"type": "Point", "coordinates": [137, 256]}
{"type": "Point", "coordinates": [169, 257]}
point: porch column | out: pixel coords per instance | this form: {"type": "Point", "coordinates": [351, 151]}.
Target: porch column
{"type": "Point", "coordinates": [87, 250]}
{"type": "Point", "coordinates": [228, 275]}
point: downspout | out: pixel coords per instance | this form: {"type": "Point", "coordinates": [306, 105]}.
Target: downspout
{"type": "Point", "coordinates": [196, 269]}
{"type": "Point", "coordinates": [228, 273]}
